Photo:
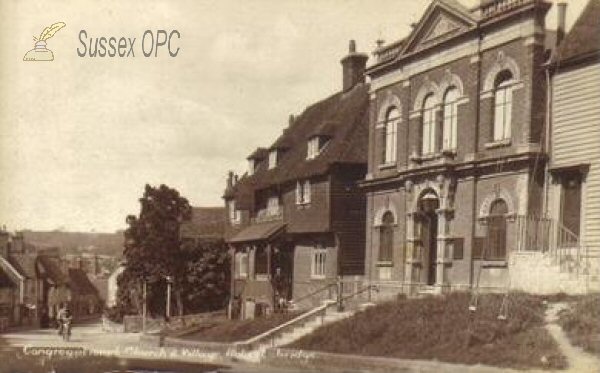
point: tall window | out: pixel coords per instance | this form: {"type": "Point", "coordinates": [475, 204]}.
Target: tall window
{"type": "Point", "coordinates": [390, 136]}
{"type": "Point", "coordinates": [261, 260]}
{"type": "Point", "coordinates": [234, 215]}
{"type": "Point", "coordinates": [302, 192]}
{"type": "Point", "coordinates": [318, 268]}
{"type": "Point", "coordinates": [503, 106]}
{"type": "Point", "coordinates": [496, 235]}
{"type": "Point", "coordinates": [272, 158]}
{"type": "Point", "coordinates": [428, 133]}
{"type": "Point", "coordinates": [386, 237]}
{"type": "Point", "coordinates": [450, 119]}
{"type": "Point", "coordinates": [273, 205]}
{"type": "Point", "coordinates": [242, 264]}
{"type": "Point", "coordinates": [570, 204]}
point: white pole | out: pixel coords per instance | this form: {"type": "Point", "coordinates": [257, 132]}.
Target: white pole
{"type": "Point", "coordinates": [144, 310]}
{"type": "Point", "coordinates": [168, 297]}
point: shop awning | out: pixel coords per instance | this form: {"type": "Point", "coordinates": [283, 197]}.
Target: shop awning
{"type": "Point", "coordinates": [258, 232]}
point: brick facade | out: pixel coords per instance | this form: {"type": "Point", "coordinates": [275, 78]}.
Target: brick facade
{"type": "Point", "coordinates": [463, 184]}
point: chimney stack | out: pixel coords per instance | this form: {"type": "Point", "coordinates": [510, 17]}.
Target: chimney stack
{"type": "Point", "coordinates": [230, 179]}
{"type": "Point", "coordinates": [353, 67]}
{"type": "Point", "coordinates": [562, 22]}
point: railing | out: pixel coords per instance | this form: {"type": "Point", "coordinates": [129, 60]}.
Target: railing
{"type": "Point", "coordinates": [496, 7]}
{"type": "Point", "coordinates": [368, 288]}
{"type": "Point", "coordinates": [534, 233]}
{"type": "Point", "coordinates": [268, 214]}
{"type": "Point", "coordinates": [312, 294]}
{"type": "Point", "coordinates": [272, 334]}
{"type": "Point", "coordinates": [388, 52]}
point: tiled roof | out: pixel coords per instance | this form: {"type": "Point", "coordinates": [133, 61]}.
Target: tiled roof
{"type": "Point", "coordinates": [52, 269]}
{"type": "Point", "coordinates": [257, 232]}
{"type": "Point", "coordinates": [584, 38]}
{"type": "Point", "coordinates": [344, 116]}
{"type": "Point", "coordinates": [24, 263]}
{"type": "Point", "coordinates": [206, 222]}
{"type": "Point", "coordinates": [259, 154]}
{"type": "Point", "coordinates": [80, 283]}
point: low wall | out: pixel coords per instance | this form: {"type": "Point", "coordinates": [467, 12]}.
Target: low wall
{"type": "Point", "coordinates": [134, 323]}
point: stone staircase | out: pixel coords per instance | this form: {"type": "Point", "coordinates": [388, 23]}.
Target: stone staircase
{"type": "Point", "coordinates": [567, 271]}
{"type": "Point", "coordinates": [292, 330]}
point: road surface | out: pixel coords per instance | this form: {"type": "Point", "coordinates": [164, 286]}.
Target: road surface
{"type": "Point", "coordinates": [90, 336]}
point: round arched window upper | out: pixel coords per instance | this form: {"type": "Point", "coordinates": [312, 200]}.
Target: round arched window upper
{"type": "Point", "coordinates": [450, 119]}
{"type": "Point", "coordinates": [428, 133]}
{"type": "Point", "coordinates": [503, 106]}
{"type": "Point", "coordinates": [390, 135]}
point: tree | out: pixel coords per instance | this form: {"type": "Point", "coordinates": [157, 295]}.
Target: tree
{"type": "Point", "coordinates": [153, 249]}
{"type": "Point", "coordinates": [206, 284]}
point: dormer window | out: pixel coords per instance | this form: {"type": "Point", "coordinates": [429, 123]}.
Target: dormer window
{"type": "Point", "coordinates": [251, 166]}
{"type": "Point", "coordinates": [272, 159]}
{"type": "Point", "coordinates": [234, 214]}
{"type": "Point", "coordinates": [314, 147]}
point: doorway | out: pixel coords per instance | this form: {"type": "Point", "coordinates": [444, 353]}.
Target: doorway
{"type": "Point", "coordinates": [428, 204]}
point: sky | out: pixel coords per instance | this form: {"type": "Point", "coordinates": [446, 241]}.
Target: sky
{"type": "Point", "coordinates": [81, 136]}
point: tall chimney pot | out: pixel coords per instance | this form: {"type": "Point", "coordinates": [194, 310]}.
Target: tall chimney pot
{"type": "Point", "coordinates": [353, 67]}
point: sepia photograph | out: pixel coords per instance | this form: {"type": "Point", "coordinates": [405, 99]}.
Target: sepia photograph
{"type": "Point", "coordinates": [299, 186]}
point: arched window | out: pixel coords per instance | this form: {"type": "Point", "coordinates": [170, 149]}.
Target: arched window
{"type": "Point", "coordinates": [428, 133]}
{"type": "Point", "coordinates": [390, 135]}
{"type": "Point", "coordinates": [386, 237]}
{"type": "Point", "coordinates": [450, 118]}
{"type": "Point", "coordinates": [503, 105]}
{"type": "Point", "coordinates": [496, 235]}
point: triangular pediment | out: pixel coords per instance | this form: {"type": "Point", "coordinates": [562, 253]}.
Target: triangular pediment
{"type": "Point", "coordinates": [440, 22]}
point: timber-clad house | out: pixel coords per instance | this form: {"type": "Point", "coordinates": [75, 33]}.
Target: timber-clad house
{"type": "Point", "coordinates": [296, 218]}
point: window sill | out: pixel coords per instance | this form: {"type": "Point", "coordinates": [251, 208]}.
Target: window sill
{"type": "Point", "coordinates": [385, 166]}
{"type": "Point", "coordinates": [384, 263]}
{"type": "Point", "coordinates": [317, 277]}
{"type": "Point", "coordinates": [241, 277]}
{"type": "Point", "coordinates": [425, 157]}
{"type": "Point", "coordinates": [494, 263]}
{"type": "Point", "coordinates": [497, 144]}
{"type": "Point", "coordinates": [302, 205]}
{"type": "Point", "coordinates": [449, 152]}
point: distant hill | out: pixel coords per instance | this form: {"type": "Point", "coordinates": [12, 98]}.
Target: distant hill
{"type": "Point", "coordinates": [78, 242]}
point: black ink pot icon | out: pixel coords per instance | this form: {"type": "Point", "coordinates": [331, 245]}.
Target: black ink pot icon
{"type": "Point", "coordinates": [40, 52]}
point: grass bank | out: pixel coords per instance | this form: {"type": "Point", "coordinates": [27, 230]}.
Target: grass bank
{"type": "Point", "coordinates": [581, 322]}
{"type": "Point", "coordinates": [239, 330]}
{"type": "Point", "coordinates": [442, 328]}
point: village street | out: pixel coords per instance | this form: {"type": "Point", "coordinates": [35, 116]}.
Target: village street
{"type": "Point", "coordinates": [91, 337]}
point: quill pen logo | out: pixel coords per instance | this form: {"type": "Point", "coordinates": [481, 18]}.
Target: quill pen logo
{"type": "Point", "coordinates": [40, 52]}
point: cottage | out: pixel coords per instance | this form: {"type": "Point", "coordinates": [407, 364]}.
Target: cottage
{"type": "Point", "coordinates": [296, 218]}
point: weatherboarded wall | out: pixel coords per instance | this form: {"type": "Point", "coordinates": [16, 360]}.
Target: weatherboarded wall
{"type": "Point", "coordinates": [576, 139]}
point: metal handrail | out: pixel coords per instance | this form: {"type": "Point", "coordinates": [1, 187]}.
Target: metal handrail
{"type": "Point", "coordinates": [309, 295]}
{"type": "Point", "coordinates": [359, 291]}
